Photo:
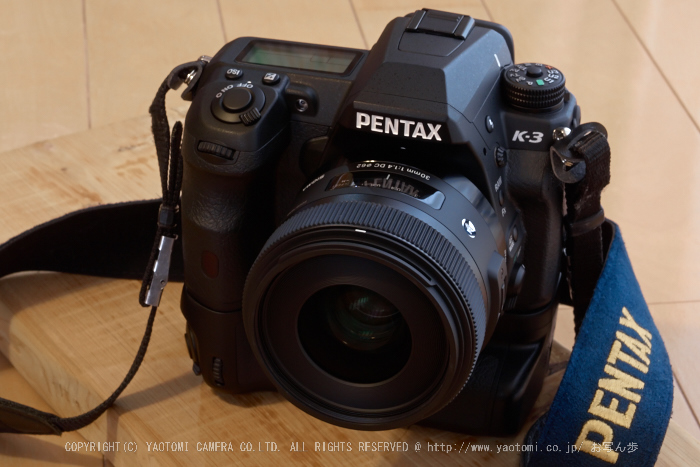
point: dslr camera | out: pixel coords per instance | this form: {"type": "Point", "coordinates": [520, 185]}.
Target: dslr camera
{"type": "Point", "coordinates": [377, 235]}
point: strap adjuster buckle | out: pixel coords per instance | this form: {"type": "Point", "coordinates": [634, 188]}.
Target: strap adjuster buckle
{"type": "Point", "coordinates": [161, 269]}
{"type": "Point", "coordinates": [585, 225]}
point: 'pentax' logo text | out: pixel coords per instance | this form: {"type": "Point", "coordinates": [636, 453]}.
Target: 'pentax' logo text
{"type": "Point", "coordinates": [623, 389]}
{"type": "Point", "coordinates": [398, 127]}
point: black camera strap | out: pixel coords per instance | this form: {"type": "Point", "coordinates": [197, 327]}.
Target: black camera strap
{"type": "Point", "coordinates": [75, 244]}
{"type": "Point", "coordinates": [582, 162]}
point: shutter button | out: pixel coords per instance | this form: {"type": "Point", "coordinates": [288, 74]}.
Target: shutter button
{"type": "Point", "coordinates": [242, 103]}
{"type": "Point", "coordinates": [237, 99]}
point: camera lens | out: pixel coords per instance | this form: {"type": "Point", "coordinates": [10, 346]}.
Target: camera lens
{"type": "Point", "coordinates": [354, 334]}
{"type": "Point", "coordinates": [369, 305]}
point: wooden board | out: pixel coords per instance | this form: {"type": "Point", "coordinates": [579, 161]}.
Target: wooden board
{"type": "Point", "coordinates": [73, 338]}
{"type": "Point", "coordinates": [30, 451]}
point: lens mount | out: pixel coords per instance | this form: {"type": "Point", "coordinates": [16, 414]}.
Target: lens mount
{"type": "Point", "coordinates": [428, 294]}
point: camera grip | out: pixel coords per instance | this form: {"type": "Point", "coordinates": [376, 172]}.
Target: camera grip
{"type": "Point", "coordinates": [219, 348]}
{"type": "Point", "coordinates": [227, 214]}
{"type": "Point", "coordinates": [538, 194]}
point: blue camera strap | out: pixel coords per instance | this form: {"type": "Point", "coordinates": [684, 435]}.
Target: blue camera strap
{"type": "Point", "coordinates": [614, 402]}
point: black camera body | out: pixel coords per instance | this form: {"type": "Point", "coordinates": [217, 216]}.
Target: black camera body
{"type": "Point", "coordinates": [377, 234]}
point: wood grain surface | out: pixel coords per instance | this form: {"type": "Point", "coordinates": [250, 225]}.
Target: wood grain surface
{"type": "Point", "coordinates": [666, 30]}
{"type": "Point", "coordinates": [48, 96]}
{"type": "Point", "coordinates": [30, 451]}
{"type": "Point", "coordinates": [131, 45]}
{"type": "Point", "coordinates": [86, 64]}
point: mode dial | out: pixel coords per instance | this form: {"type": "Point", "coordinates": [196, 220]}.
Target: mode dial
{"type": "Point", "coordinates": [533, 86]}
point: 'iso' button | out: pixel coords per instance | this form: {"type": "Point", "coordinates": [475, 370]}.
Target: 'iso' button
{"type": "Point", "coordinates": [234, 73]}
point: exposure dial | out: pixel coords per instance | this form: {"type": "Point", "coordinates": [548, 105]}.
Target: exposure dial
{"type": "Point", "coordinates": [533, 86]}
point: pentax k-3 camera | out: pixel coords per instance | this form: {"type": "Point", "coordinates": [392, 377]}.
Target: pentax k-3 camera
{"type": "Point", "coordinates": [377, 235]}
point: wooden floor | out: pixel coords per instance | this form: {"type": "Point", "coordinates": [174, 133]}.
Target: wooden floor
{"type": "Point", "coordinates": [633, 65]}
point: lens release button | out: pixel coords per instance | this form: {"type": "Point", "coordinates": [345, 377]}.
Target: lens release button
{"type": "Point", "coordinates": [237, 99]}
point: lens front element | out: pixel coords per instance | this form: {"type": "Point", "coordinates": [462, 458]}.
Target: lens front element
{"type": "Point", "coordinates": [354, 334]}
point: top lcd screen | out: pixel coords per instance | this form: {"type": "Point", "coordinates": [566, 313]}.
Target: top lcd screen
{"type": "Point", "coordinates": [300, 57]}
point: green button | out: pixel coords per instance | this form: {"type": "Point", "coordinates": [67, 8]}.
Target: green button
{"type": "Point", "coordinates": [540, 82]}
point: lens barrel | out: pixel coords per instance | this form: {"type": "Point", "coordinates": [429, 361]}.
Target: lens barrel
{"type": "Point", "coordinates": [369, 305]}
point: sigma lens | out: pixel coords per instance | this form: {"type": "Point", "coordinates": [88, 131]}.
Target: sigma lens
{"type": "Point", "coordinates": [369, 305]}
